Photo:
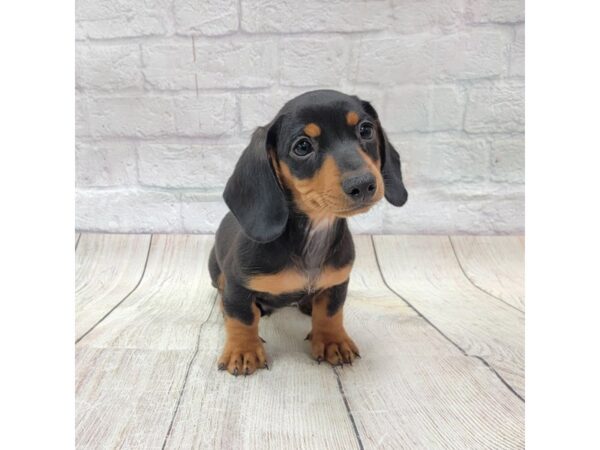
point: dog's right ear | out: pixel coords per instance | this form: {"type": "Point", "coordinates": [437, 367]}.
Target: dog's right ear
{"type": "Point", "coordinates": [395, 192]}
{"type": "Point", "coordinates": [253, 193]}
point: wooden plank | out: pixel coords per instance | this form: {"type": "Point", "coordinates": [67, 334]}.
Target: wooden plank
{"type": "Point", "coordinates": [295, 404]}
{"type": "Point", "coordinates": [495, 264]}
{"type": "Point", "coordinates": [163, 313]}
{"type": "Point", "coordinates": [107, 269]}
{"type": "Point", "coordinates": [412, 388]}
{"type": "Point", "coordinates": [173, 298]}
{"type": "Point", "coordinates": [77, 237]}
{"type": "Point", "coordinates": [425, 272]}
{"type": "Point", "coordinates": [130, 369]}
{"type": "Point", "coordinates": [125, 398]}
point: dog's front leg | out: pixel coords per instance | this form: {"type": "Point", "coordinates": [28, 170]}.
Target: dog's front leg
{"type": "Point", "coordinates": [329, 340]}
{"type": "Point", "coordinates": [244, 351]}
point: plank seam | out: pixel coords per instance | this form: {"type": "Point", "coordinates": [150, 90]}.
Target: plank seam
{"type": "Point", "coordinates": [124, 298]}
{"type": "Point", "coordinates": [347, 405]}
{"type": "Point", "coordinates": [187, 372]}
{"type": "Point", "coordinates": [510, 388]}
{"type": "Point", "coordinates": [475, 284]}
{"type": "Point", "coordinates": [77, 241]}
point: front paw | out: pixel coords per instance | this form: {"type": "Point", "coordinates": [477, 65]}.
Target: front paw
{"type": "Point", "coordinates": [335, 348]}
{"type": "Point", "coordinates": [243, 357]}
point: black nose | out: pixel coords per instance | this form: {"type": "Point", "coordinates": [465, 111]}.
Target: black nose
{"type": "Point", "coordinates": [361, 187]}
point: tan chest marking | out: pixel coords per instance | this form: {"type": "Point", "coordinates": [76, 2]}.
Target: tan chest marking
{"type": "Point", "coordinates": [294, 280]}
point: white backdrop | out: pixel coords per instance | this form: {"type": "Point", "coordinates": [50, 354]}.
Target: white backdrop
{"type": "Point", "coordinates": [169, 91]}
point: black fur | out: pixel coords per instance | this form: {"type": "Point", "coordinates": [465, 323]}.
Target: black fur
{"type": "Point", "coordinates": [253, 193]}
{"type": "Point", "coordinates": [395, 192]}
{"type": "Point", "coordinates": [266, 232]}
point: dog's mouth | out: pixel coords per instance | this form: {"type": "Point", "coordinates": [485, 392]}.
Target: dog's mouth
{"type": "Point", "coordinates": [329, 205]}
{"type": "Point", "coordinates": [354, 210]}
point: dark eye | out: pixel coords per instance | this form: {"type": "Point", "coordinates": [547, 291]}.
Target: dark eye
{"type": "Point", "coordinates": [302, 147]}
{"type": "Point", "coordinates": [366, 130]}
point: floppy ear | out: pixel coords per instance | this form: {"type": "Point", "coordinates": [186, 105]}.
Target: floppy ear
{"type": "Point", "coordinates": [391, 169]}
{"type": "Point", "coordinates": [253, 193]}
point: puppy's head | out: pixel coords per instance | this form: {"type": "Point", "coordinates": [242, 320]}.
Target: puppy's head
{"type": "Point", "coordinates": [325, 154]}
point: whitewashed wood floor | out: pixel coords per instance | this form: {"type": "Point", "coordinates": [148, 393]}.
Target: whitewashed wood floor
{"type": "Point", "coordinates": [439, 321]}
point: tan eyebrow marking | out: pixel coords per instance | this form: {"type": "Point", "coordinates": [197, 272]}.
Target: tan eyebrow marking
{"type": "Point", "coordinates": [352, 118]}
{"type": "Point", "coordinates": [312, 130]}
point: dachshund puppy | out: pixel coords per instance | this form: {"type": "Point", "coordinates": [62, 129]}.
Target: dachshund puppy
{"type": "Point", "coordinates": [323, 158]}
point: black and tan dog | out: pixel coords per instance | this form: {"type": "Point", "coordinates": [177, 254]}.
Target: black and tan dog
{"type": "Point", "coordinates": [323, 158]}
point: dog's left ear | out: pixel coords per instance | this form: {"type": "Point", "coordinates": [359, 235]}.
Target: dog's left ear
{"type": "Point", "coordinates": [391, 169]}
{"type": "Point", "coordinates": [253, 193]}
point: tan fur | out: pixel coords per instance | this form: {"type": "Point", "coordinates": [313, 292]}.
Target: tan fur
{"type": "Point", "coordinates": [328, 337]}
{"type": "Point", "coordinates": [288, 280]}
{"type": "Point", "coordinates": [331, 276]}
{"type": "Point", "coordinates": [313, 130]}
{"type": "Point", "coordinates": [352, 118]}
{"type": "Point", "coordinates": [321, 195]}
{"type": "Point", "coordinates": [294, 280]}
{"type": "Point", "coordinates": [244, 351]}
{"type": "Point", "coordinates": [221, 282]}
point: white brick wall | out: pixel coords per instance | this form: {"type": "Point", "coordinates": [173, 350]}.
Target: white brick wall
{"type": "Point", "coordinates": [169, 91]}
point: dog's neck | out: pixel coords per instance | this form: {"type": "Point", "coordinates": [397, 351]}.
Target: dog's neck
{"type": "Point", "coordinates": [318, 240]}
{"type": "Point", "coordinates": [312, 241]}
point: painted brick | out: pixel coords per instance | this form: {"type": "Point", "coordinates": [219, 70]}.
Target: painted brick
{"type": "Point", "coordinates": [82, 128]}
{"type": "Point", "coordinates": [494, 107]}
{"type": "Point", "coordinates": [290, 16]}
{"type": "Point", "coordinates": [131, 116]}
{"type": "Point", "coordinates": [423, 108]}
{"type": "Point", "coordinates": [435, 159]}
{"type": "Point", "coordinates": [206, 115]}
{"type": "Point", "coordinates": [416, 16]}
{"type": "Point", "coordinates": [478, 53]}
{"type": "Point", "coordinates": [498, 11]}
{"type": "Point", "coordinates": [105, 164]}
{"type": "Point", "coordinates": [203, 165]}
{"type": "Point", "coordinates": [399, 59]}
{"type": "Point", "coordinates": [517, 52]}
{"type": "Point", "coordinates": [505, 213]}
{"type": "Point", "coordinates": [169, 65]}
{"type": "Point", "coordinates": [202, 213]}
{"type": "Point", "coordinates": [313, 62]}
{"type": "Point", "coordinates": [98, 19]}
{"type": "Point", "coordinates": [120, 211]}
{"type": "Point", "coordinates": [374, 95]}
{"type": "Point", "coordinates": [474, 210]}
{"type": "Point", "coordinates": [169, 91]}
{"type": "Point", "coordinates": [108, 67]}
{"type": "Point", "coordinates": [508, 159]}
{"type": "Point", "coordinates": [258, 109]}
{"type": "Point", "coordinates": [231, 63]}
{"type": "Point", "coordinates": [209, 17]}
